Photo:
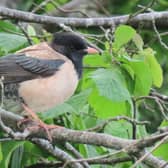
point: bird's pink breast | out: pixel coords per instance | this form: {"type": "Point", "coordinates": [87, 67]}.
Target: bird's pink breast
{"type": "Point", "coordinates": [44, 93]}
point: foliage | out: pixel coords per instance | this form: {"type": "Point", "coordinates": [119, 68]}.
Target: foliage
{"type": "Point", "coordinates": [106, 90]}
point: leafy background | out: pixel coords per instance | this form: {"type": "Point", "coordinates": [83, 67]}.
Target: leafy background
{"type": "Point", "coordinates": [132, 63]}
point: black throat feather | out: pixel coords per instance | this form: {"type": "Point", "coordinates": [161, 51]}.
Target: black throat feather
{"type": "Point", "coordinates": [75, 56]}
{"type": "Point", "coordinates": [77, 59]}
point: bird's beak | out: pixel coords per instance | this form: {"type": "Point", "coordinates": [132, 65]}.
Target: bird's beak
{"type": "Point", "coordinates": [91, 50]}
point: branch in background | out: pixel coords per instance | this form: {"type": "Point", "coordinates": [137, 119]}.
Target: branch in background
{"type": "Point", "coordinates": [79, 8]}
{"type": "Point", "coordinates": [159, 99]}
{"type": "Point", "coordinates": [160, 96]}
{"type": "Point", "coordinates": [10, 4]}
{"type": "Point", "coordinates": [160, 19]}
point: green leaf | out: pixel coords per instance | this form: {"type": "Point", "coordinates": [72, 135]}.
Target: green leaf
{"type": "Point", "coordinates": [31, 31]}
{"type": "Point", "coordinates": [141, 131]}
{"type": "Point", "coordinates": [7, 149]}
{"type": "Point", "coordinates": [77, 122]}
{"type": "Point", "coordinates": [95, 60]}
{"type": "Point", "coordinates": [120, 129]}
{"type": "Point", "coordinates": [1, 154]}
{"type": "Point", "coordinates": [138, 41]}
{"type": "Point", "coordinates": [102, 106]}
{"type": "Point", "coordinates": [16, 158]}
{"type": "Point", "coordinates": [58, 110]}
{"type": "Point", "coordinates": [105, 108]}
{"type": "Point", "coordinates": [6, 26]}
{"type": "Point", "coordinates": [83, 150]}
{"type": "Point", "coordinates": [32, 153]}
{"type": "Point", "coordinates": [110, 84]}
{"type": "Point", "coordinates": [156, 70]}
{"type": "Point", "coordinates": [89, 120]}
{"type": "Point", "coordinates": [79, 100]}
{"type": "Point", "coordinates": [161, 151]}
{"type": "Point", "coordinates": [143, 78]}
{"type": "Point", "coordinates": [123, 35]}
{"type": "Point", "coordinates": [164, 123]}
{"type": "Point", "coordinates": [128, 68]}
{"type": "Point", "coordinates": [74, 104]}
{"type": "Point", "coordinates": [10, 42]}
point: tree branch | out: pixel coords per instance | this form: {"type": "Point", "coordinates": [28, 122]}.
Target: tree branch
{"type": "Point", "coordinates": [77, 155]}
{"type": "Point", "coordinates": [131, 147]}
{"type": "Point", "coordinates": [55, 151]}
{"type": "Point", "coordinates": [160, 18]}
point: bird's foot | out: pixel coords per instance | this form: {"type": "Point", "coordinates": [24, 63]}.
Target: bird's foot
{"type": "Point", "coordinates": [47, 129]}
{"type": "Point", "coordinates": [40, 123]}
{"type": "Point", "coordinates": [23, 121]}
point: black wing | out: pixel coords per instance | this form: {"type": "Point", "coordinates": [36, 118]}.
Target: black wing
{"type": "Point", "coordinates": [18, 68]}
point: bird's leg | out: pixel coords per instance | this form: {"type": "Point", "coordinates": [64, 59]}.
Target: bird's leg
{"type": "Point", "coordinates": [40, 122]}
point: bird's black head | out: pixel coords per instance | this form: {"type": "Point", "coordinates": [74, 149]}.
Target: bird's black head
{"type": "Point", "coordinates": [68, 43]}
{"type": "Point", "coordinates": [72, 46]}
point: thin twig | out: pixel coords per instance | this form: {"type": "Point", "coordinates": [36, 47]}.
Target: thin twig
{"type": "Point", "coordinates": [38, 7]}
{"type": "Point", "coordinates": [134, 127]}
{"type": "Point", "coordinates": [102, 7]}
{"type": "Point", "coordinates": [106, 161]}
{"type": "Point", "coordinates": [159, 101]}
{"type": "Point", "coordinates": [10, 132]}
{"type": "Point", "coordinates": [148, 153]}
{"type": "Point", "coordinates": [157, 33]}
{"type": "Point", "coordinates": [55, 151]}
{"type": "Point", "coordinates": [2, 90]}
{"type": "Point", "coordinates": [103, 124]}
{"type": "Point", "coordinates": [25, 33]}
{"type": "Point", "coordinates": [143, 9]}
{"type": "Point", "coordinates": [160, 96]}
{"type": "Point", "coordinates": [94, 158]}
{"type": "Point", "coordinates": [70, 148]}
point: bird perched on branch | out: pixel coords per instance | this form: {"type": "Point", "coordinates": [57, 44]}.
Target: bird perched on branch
{"type": "Point", "coordinates": [42, 76]}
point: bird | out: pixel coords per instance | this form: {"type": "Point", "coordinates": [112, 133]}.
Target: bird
{"type": "Point", "coordinates": [44, 75]}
